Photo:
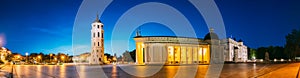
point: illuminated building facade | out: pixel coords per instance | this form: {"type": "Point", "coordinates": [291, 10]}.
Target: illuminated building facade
{"type": "Point", "coordinates": [97, 42]}
{"type": "Point", "coordinates": [171, 50]}
{"type": "Point", "coordinates": [4, 52]}
{"type": "Point", "coordinates": [235, 51]}
{"type": "Point", "coordinates": [82, 58]}
{"type": "Point", "coordinates": [176, 50]}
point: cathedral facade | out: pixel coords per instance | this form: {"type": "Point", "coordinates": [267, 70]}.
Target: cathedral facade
{"type": "Point", "coordinates": [177, 50]}
{"type": "Point", "coordinates": [186, 50]}
{"type": "Point", "coordinates": [97, 42]}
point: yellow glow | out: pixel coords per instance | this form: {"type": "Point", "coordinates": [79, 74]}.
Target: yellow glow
{"type": "Point", "coordinates": [200, 51]}
{"type": "Point", "coordinates": [139, 53]}
{"type": "Point", "coordinates": [177, 54]}
{"type": "Point", "coordinates": [204, 51]}
{"type": "Point", "coordinates": [39, 56]}
{"type": "Point", "coordinates": [171, 50]}
{"type": "Point", "coordinates": [170, 54]}
{"type": "Point", "coordinates": [18, 56]}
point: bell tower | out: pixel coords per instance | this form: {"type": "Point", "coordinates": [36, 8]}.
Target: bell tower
{"type": "Point", "coordinates": [97, 42]}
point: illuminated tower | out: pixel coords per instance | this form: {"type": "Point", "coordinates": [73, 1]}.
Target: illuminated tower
{"type": "Point", "coordinates": [97, 42]}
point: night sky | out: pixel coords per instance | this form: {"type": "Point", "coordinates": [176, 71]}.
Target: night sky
{"type": "Point", "coordinates": [46, 26]}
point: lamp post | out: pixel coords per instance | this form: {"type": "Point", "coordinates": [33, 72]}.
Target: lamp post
{"type": "Point", "coordinates": [63, 57]}
{"type": "Point", "coordinates": [39, 57]}
{"type": "Point", "coordinates": [50, 57]}
{"type": "Point", "coordinates": [26, 56]}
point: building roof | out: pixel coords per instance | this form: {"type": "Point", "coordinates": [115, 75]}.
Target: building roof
{"type": "Point", "coordinates": [168, 36]}
{"type": "Point", "coordinates": [97, 20]}
{"type": "Point", "coordinates": [211, 35]}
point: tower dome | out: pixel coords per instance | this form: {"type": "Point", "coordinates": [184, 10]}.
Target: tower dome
{"type": "Point", "coordinates": [211, 35]}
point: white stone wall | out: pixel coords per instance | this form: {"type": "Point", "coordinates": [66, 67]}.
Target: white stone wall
{"type": "Point", "coordinates": [235, 51]}
{"type": "Point", "coordinates": [96, 44]}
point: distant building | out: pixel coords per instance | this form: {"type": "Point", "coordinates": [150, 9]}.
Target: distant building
{"type": "Point", "coordinates": [82, 58]}
{"type": "Point", "coordinates": [4, 52]}
{"type": "Point", "coordinates": [97, 42]}
{"type": "Point", "coordinates": [235, 51]}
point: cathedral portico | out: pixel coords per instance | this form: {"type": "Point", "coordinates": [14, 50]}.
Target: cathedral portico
{"type": "Point", "coordinates": [171, 50]}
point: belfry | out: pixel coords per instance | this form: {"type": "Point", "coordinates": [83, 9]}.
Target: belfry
{"type": "Point", "coordinates": [97, 42]}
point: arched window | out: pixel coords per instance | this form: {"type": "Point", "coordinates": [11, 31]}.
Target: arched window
{"type": "Point", "coordinates": [98, 34]}
{"type": "Point", "coordinates": [98, 44]}
{"type": "Point", "coordinates": [102, 35]}
{"type": "Point", "coordinates": [97, 26]}
{"type": "Point", "coordinates": [94, 35]}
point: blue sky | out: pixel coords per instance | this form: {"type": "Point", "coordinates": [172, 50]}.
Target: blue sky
{"type": "Point", "coordinates": [46, 26]}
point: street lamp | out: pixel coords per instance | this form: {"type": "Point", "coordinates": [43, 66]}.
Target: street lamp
{"type": "Point", "coordinates": [39, 57]}
{"type": "Point", "coordinates": [26, 56]}
{"type": "Point", "coordinates": [50, 57]}
{"type": "Point", "coordinates": [62, 57]}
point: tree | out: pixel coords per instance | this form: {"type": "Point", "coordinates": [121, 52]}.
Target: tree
{"type": "Point", "coordinates": [129, 56]}
{"type": "Point", "coordinates": [261, 52]}
{"type": "Point", "coordinates": [292, 46]}
{"type": "Point", "coordinates": [252, 54]}
{"type": "Point", "coordinates": [132, 54]}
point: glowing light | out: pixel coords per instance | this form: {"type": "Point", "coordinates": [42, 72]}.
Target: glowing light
{"type": "Point", "coordinates": [39, 56]}
{"type": "Point", "coordinates": [18, 56]}
{"type": "Point", "coordinates": [204, 51]}
{"type": "Point", "coordinates": [26, 54]}
{"type": "Point", "coordinates": [275, 60]}
{"type": "Point", "coordinates": [200, 51]}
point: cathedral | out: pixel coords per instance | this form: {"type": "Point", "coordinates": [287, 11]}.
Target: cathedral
{"type": "Point", "coordinates": [97, 42]}
{"type": "Point", "coordinates": [174, 50]}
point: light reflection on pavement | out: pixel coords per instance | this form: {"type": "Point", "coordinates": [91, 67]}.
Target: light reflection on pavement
{"type": "Point", "coordinates": [239, 70]}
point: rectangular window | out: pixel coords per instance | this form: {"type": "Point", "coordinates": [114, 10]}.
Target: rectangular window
{"type": "Point", "coordinates": [102, 35]}
{"type": "Point", "coordinates": [98, 44]}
